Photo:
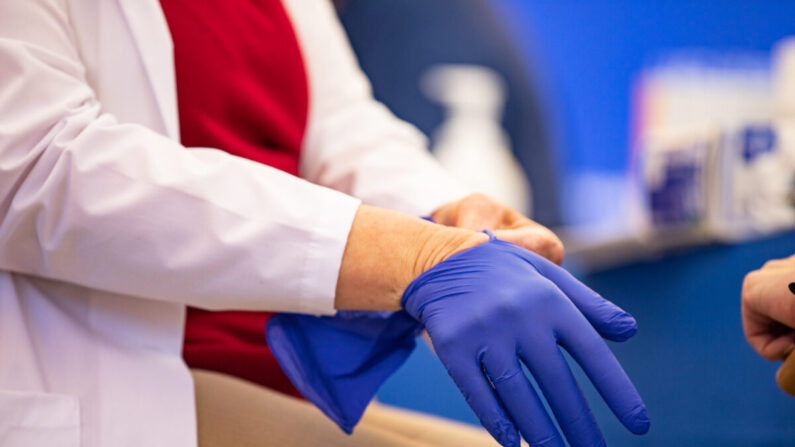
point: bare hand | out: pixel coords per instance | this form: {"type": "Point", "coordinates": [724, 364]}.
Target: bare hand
{"type": "Point", "coordinates": [768, 308]}
{"type": "Point", "coordinates": [480, 212]}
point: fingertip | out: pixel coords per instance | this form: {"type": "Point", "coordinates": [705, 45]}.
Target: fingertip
{"type": "Point", "coordinates": [642, 428]}
{"type": "Point", "coordinates": [637, 421]}
{"type": "Point", "coordinates": [513, 440]}
{"type": "Point", "coordinates": [628, 327]}
{"type": "Point", "coordinates": [506, 433]}
{"type": "Point", "coordinates": [556, 252]}
{"type": "Point", "coordinates": [620, 327]}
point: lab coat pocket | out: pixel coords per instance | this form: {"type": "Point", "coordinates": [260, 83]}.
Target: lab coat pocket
{"type": "Point", "coordinates": [39, 419]}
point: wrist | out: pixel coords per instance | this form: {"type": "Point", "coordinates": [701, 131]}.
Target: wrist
{"type": "Point", "coordinates": [387, 250]}
{"type": "Point", "coordinates": [438, 243]}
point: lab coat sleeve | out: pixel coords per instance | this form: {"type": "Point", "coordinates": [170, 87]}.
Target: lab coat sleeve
{"type": "Point", "coordinates": [121, 208]}
{"type": "Point", "coordinates": [353, 143]}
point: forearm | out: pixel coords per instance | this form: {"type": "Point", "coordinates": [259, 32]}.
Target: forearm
{"type": "Point", "coordinates": [386, 250]}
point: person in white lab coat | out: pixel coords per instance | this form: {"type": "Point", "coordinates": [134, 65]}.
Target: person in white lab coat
{"type": "Point", "coordinates": [109, 227]}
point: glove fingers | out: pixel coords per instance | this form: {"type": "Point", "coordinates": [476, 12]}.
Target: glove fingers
{"type": "Point", "coordinates": [607, 375]}
{"type": "Point", "coordinates": [481, 398]}
{"type": "Point", "coordinates": [522, 403]}
{"type": "Point", "coordinates": [556, 381]}
{"type": "Point", "coordinates": [612, 322]}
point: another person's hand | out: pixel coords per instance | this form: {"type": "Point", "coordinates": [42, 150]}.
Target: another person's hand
{"type": "Point", "coordinates": [479, 212]}
{"type": "Point", "coordinates": [490, 308]}
{"type": "Point", "coordinates": [768, 309]}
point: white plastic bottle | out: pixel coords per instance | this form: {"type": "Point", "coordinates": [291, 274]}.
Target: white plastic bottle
{"type": "Point", "coordinates": [471, 143]}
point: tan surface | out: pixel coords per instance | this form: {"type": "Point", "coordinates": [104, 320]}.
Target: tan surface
{"type": "Point", "coordinates": [235, 413]}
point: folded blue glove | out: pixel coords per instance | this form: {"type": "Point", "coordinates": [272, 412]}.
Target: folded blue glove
{"type": "Point", "coordinates": [338, 363]}
{"type": "Point", "coordinates": [491, 306]}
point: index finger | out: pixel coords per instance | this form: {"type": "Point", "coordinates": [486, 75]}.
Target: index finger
{"type": "Point", "coordinates": [612, 322]}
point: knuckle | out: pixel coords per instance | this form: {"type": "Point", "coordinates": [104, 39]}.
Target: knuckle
{"type": "Point", "coordinates": [481, 202]}
{"type": "Point", "coordinates": [770, 264]}
{"type": "Point", "coordinates": [579, 420]}
{"type": "Point", "coordinates": [557, 251]}
{"type": "Point", "coordinates": [544, 242]}
{"type": "Point", "coordinates": [546, 296]}
{"type": "Point", "coordinates": [748, 284]}
{"type": "Point", "coordinates": [505, 304]}
{"type": "Point", "coordinates": [505, 374]}
{"type": "Point", "coordinates": [448, 337]}
{"type": "Point", "coordinates": [444, 342]}
{"type": "Point", "coordinates": [476, 197]}
{"type": "Point", "coordinates": [445, 333]}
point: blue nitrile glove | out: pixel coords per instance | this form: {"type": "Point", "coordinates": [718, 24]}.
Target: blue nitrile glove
{"type": "Point", "coordinates": [490, 306]}
{"type": "Point", "coordinates": [338, 363]}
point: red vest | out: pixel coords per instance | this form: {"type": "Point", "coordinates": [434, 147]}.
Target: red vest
{"type": "Point", "coordinates": [242, 88]}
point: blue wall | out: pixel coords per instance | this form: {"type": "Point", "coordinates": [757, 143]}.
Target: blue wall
{"type": "Point", "coordinates": [586, 54]}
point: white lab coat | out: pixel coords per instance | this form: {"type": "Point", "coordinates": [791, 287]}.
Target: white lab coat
{"type": "Point", "coordinates": [109, 227]}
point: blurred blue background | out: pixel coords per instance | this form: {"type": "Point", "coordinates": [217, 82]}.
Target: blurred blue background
{"type": "Point", "coordinates": [586, 55]}
{"type": "Point", "coordinates": [570, 67]}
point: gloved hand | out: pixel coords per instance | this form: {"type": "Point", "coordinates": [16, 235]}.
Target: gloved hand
{"type": "Point", "coordinates": [339, 362]}
{"type": "Point", "coordinates": [490, 306]}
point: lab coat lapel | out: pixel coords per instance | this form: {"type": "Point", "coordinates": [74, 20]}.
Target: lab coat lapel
{"type": "Point", "coordinates": [155, 48]}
